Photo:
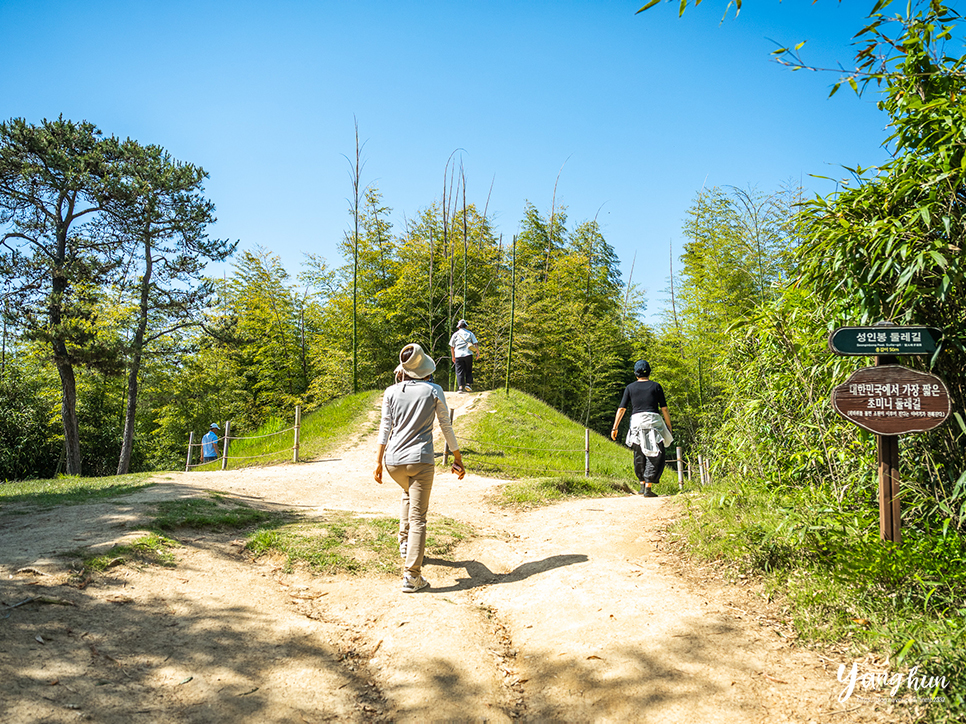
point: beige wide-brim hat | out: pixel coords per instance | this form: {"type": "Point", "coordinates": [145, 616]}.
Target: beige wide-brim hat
{"type": "Point", "coordinates": [419, 364]}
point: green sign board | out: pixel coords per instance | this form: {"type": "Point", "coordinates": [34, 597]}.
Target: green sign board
{"type": "Point", "coordinates": [885, 339]}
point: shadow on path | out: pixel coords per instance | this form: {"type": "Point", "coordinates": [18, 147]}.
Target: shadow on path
{"type": "Point", "coordinates": [480, 575]}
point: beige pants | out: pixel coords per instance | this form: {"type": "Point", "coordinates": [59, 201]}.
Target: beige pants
{"type": "Point", "coordinates": [417, 483]}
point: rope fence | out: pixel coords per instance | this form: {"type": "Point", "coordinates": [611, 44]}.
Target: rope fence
{"type": "Point", "coordinates": [226, 440]}
{"type": "Point", "coordinates": [263, 455]}
{"type": "Point", "coordinates": [268, 434]}
{"type": "Point", "coordinates": [530, 449]}
{"type": "Point", "coordinates": [679, 463]}
{"type": "Point", "coordinates": [683, 467]}
{"type": "Point", "coordinates": [522, 468]}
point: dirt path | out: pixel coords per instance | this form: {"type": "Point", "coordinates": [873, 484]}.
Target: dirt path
{"type": "Point", "coordinates": [569, 613]}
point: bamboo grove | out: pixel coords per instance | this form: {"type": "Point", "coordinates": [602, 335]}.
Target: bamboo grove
{"type": "Point", "coordinates": [102, 270]}
{"type": "Point", "coordinates": [260, 341]}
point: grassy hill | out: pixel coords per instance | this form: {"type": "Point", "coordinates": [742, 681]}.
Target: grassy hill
{"type": "Point", "coordinates": [322, 431]}
{"type": "Point", "coordinates": [518, 437]}
{"type": "Point", "coordinates": [511, 436]}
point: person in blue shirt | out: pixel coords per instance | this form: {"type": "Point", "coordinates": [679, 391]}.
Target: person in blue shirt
{"type": "Point", "coordinates": [209, 444]}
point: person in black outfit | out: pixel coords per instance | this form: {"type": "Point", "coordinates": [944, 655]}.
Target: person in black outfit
{"type": "Point", "coordinates": [649, 433]}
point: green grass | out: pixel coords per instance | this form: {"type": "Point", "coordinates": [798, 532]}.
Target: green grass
{"type": "Point", "coordinates": [544, 491]}
{"type": "Point", "coordinates": [216, 512]}
{"type": "Point", "coordinates": [444, 534]}
{"type": "Point", "coordinates": [152, 549]}
{"type": "Point", "coordinates": [321, 432]}
{"type": "Point", "coordinates": [349, 543]}
{"type": "Point", "coordinates": [837, 580]}
{"type": "Point", "coordinates": [517, 436]}
{"type": "Point", "coordinates": [70, 490]}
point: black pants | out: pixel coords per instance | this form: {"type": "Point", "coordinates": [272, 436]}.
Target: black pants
{"type": "Point", "coordinates": [648, 469]}
{"type": "Point", "coordinates": [464, 371]}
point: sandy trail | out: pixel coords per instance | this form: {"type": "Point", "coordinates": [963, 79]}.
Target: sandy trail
{"type": "Point", "coordinates": [568, 613]}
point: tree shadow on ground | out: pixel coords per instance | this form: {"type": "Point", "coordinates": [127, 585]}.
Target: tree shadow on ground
{"type": "Point", "coordinates": [114, 660]}
{"type": "Point", "coordinates": [119, 658]}
{"type": "Point", "coordinates": [691, 678]}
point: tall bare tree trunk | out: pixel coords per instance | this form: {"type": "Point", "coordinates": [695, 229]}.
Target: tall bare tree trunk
{"type": "Point", "coordinates": [627, 292]}
{"type": "Point", "coordinates": [466, 312]}
{"type": "Point", "coordinates": [137, 346]}
{"type": "Point", "coordinates": [356, 173]}
{"type": "Point", "coordinates": [431, 307]}
{"type": "Point", "coordinates": [68, 382]}
{"type": "Point", "coordinates": [130, 415]}
{"type": "Point", "coordinates": [68, 412]}
{"type": "Point", "coordinates": [513, 307]}
{"type": "Point", "coordinates": [674, 308]}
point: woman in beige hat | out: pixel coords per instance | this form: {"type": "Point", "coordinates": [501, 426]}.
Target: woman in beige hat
{"type": "Point", "coordinates": [406, 447]}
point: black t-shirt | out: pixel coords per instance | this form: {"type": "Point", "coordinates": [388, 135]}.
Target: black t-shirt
{"type": "Point", "coordinates": [643, 396]}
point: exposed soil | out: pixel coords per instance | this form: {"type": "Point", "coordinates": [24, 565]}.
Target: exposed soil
{"type": "Point", "coordinates": [573, 612]}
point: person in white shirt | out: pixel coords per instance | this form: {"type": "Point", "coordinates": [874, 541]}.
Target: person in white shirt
{"type": "Point", "coordinates": [462, 347]}
{"type": "Point", "coordinates": [406, 447]}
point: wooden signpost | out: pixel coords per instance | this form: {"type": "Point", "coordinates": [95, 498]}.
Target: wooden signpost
{"type": "Point", "coordinates": [890, 400]}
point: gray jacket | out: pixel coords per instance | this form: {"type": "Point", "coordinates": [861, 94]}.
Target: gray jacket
{"type": "Point", "coordinates": [406, 429]}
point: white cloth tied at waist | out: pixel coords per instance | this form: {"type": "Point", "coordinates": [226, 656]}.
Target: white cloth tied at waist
{"type": "Point", "coordinates": [647, 430]}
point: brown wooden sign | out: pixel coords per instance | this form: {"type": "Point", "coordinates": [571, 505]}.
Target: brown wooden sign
{"type": "Point", "coordinates": [892, 400]}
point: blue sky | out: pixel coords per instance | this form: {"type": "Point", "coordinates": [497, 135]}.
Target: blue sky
{"type": "Point", "coordinates": [639, 111]}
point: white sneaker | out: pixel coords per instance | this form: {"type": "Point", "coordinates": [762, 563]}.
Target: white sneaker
{"type": "Point", "coordinates": [411, 586]}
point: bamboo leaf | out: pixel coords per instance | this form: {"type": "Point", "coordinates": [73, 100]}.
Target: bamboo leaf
{"type": "Point", "coordinates": [904, 651]}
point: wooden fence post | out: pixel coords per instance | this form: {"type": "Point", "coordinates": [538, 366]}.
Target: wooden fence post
{"type": "Point", "coordinates": [680, 453]}
{"type": "Point", "coordinates": [191, 442]}
{"type": "Point", "coordinates": [887, 449]}
{"type": "Point", "coordinates": [586, 452]}
{"type": "Point", "coordinates": [298, 423]}
{"type": "Point", "coordinates": [224, 446]}
{"type": "Point", "coordinates": [890, 517]}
